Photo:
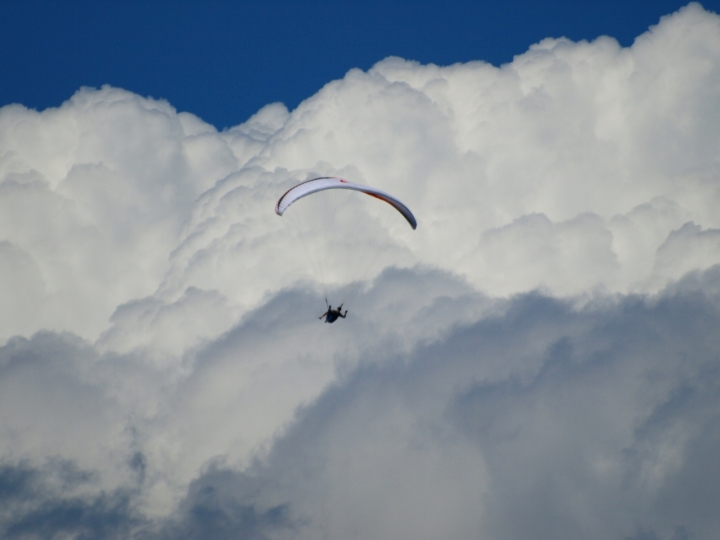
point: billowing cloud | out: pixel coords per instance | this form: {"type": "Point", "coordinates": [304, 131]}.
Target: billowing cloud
{"type": "Point", "coordinates": [538, 359]}
{"type": "Point", "coordinates": [545, 422]}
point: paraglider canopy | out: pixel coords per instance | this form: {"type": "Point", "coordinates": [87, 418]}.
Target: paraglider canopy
{"type": "Point", "coordinates": [328, 182]}
{"type": "Point", "coordinates": [344, 235]}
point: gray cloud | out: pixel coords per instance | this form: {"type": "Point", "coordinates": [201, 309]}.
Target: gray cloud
{"type": "Point", "coordinates": [524, 417]}
{"type": "Point", "coordinates": [544, 421]}
{"type": "Point", "coordinates": [48, 502]}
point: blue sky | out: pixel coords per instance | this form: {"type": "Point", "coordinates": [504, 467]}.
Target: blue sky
{"type": "Point", "coordinates": [225, 60]}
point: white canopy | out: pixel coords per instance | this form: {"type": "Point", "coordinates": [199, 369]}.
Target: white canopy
{"type": "Point", "coordinates": [319, 184]}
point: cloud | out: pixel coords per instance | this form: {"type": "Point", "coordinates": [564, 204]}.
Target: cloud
{"type": "Point", "coordinates": [539, 416]}
{"type": "Point", "coordinates": [48, 502]}
{"type": "Point", "coordinates": [93, 193]}
{"type": "Point", "coordinates": [543, 421]}
{"type": "Point", "coordinates": [537, 359]}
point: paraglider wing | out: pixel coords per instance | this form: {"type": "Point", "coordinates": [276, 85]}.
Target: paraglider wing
{"type": "Point", "coordinates": [319, 184]}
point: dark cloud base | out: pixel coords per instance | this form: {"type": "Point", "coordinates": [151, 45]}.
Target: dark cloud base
{"type": "Point", "coordinates": [34, 505]}
{"type": "Point", "coordinates": [593, 422]}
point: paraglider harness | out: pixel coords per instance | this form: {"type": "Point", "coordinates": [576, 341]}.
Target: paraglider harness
{"type": "Point", "coordinates": [331, 315]}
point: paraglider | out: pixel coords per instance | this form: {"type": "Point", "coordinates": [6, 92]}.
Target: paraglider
{"type": "Point", "coordinates": [333, 226]}
{"type": "Point", "coordinates": [331, 315]}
